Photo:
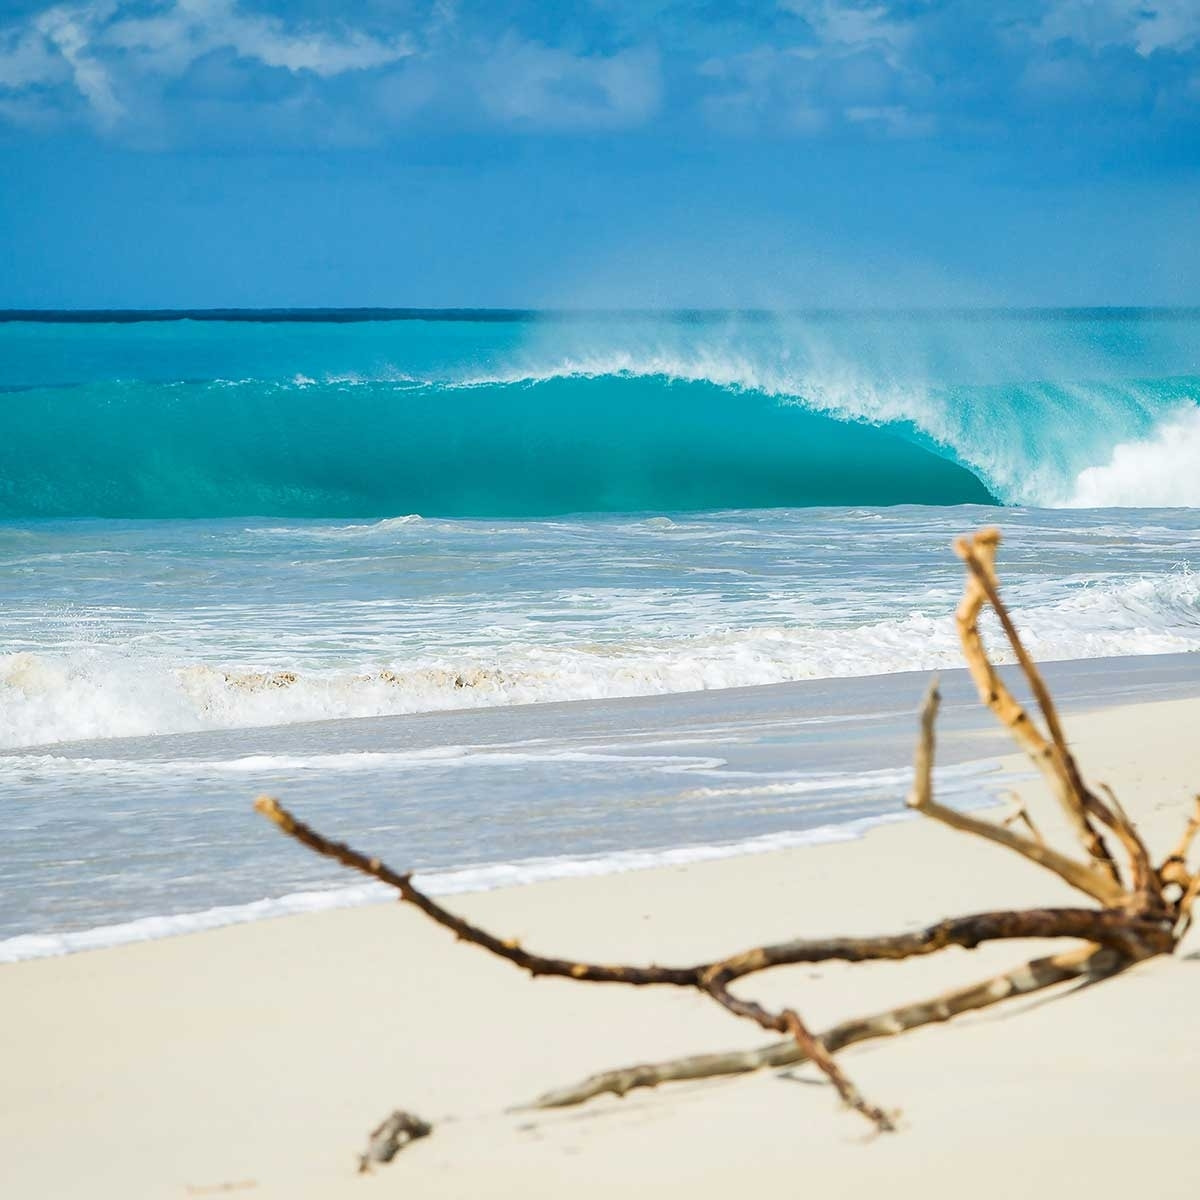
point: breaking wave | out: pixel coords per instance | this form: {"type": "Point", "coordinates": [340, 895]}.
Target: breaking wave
{"type": "Point", "coordinates": [515, 449]}
{"type": "Point", "coordinates": [532, 417]}
{"type": "Point", "coordinates": [613, 436]}
{"type": "Point", "coordinates": [104, 692]}
{"type": "Point", "coordinates": [1159, 471]}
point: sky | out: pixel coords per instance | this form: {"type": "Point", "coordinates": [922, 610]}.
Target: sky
{"type": "Point", "coordinates": [599, 153]}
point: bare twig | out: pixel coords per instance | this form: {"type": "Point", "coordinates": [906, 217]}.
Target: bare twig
{"type": "Point", "coordinates": [1145, 885]}
{"type": "Point", "coordinates": [1051, 757]}
{"type": "Point", "coordinates": [1018, 812]}
{"type": "Point", "coordinates": [1086, 878]}
{"type": "Point", "coordinates": [1105, 926]}
{"type": "Point", "coordinates": [789, 1021]}
{"type": "Point", "coordinates": [1085, 963]}
{"type": "Point", "coordinates": [1174, 868]}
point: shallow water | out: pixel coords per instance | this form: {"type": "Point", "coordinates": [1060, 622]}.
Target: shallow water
{"type": "Point", "coordinates": [115, 629]}
{"type": "Point", "coordinates": [123, 839]}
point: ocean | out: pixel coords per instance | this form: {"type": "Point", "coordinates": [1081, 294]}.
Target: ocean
{"type": "Point", "coordinates": [413, 572]}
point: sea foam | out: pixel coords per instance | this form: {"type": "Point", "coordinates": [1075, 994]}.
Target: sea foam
{"type": "Point", "coordinates": [482, 878]}
{"type": "Point", "coordinates": [1162, 470]}
{"type": "Point", "coordinates": [104, 692]}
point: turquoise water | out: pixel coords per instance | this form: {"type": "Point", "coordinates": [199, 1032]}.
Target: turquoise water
{"type": "Point", "coordinates": [541, 416]}
{"type": "Point", "coordinates": [238, 556]}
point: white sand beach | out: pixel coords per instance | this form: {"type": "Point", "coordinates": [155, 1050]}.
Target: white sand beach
{"type": "Point", "coordinates": [253, 1060]}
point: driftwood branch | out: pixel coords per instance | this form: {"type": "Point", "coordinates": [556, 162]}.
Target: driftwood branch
{"type": "Point", "coordinates": [390, 1136]}
{"type": "Point", "coordinates": [1052, 756]}
{"type": "Point", "coordinates": [1086, 964]}
{"type": "Point", "coordinates": [1085, 877]}
{"type": "Point", "coordinates": [1130, 935]}
{"type": "Point", "coordinates": [1018, 812]}
{"type": "Point", "coordinates": [1142, 911]}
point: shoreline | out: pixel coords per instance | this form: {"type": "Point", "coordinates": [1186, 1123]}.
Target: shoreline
{"type": "Point", "coordinates": [467, 881]}
{"type": "Point", "coordinates": [847, 729]}
{"type": "Point", "coordinates": [1124, 676]}
{"type": "Point", "coordinates": [258, 1056]}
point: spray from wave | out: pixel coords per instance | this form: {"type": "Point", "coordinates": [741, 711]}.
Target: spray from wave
{"type": "Point", "coordinates": [630, 415]}
{"type": "Point", "coordinates": [1160, 471]}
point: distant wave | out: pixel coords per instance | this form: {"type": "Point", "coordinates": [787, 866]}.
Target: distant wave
{"type": "Point", "coordinates": [103, 693]}
{"type": "Point", "coordinates": [1041, 443]}
{"type": "Point", "coordinates": [619, 431]}
{"type": "Point", "coordinates": [569, 444]}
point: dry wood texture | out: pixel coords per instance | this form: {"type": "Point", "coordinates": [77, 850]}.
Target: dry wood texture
{"type": "Point", "coordinates": [1141, 910]}
{"type": "Point", "coordinates": [390, 1136]}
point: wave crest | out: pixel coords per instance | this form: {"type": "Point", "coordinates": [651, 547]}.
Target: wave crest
{"type": "Point", "coordinates": [572, 444]}
{"type": "Point", "coordinates": [1161, 471]}
{"type": "Point", "coordinates": [634, 412]}
{"type": "Point", "coordinates": [46, 698]}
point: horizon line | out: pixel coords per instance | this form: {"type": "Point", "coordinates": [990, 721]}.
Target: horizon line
{"type": "Point", "coordinates": [353, 314]}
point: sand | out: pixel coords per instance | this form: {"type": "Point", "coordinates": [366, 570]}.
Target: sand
{"type": "Point", "coordinates": [252, 1060]}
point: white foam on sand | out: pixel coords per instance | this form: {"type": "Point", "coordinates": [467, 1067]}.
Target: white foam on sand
{"type": "Point", "coordinates": [441, 883]}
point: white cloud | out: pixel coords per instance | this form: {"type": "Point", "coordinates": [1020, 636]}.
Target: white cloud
{"type": "Point", "coordinates": [854, 26]}
{"type": "Point", "coordinates": [95, 45]}
{"type": "Point", "coordinates": [856, 69]}
{"type": "Point", "coordinates": [69, 31]}
{"type": "Point", "coordinates": [187, 29]}
{"type": "Point", "coordinates": [894, 119]}
{"type": "Point", "coordinates": [1143, 25]}
{"type": "Point", "coordinates": [27, 59]}
{"type": "Point", "coordinates": [117, 55]}
{"type": "Point", "coordinates": [544, 87]}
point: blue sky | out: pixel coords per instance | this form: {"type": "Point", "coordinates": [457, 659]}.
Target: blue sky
{"type": "Point", "coordinates": [599, 152]}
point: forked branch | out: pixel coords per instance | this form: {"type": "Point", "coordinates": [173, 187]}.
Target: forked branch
{"type": "Point", "coordinates": [1050, 756]}
{"type": "Point", "coordinates": [1086, 964]}
{"type": "Point", "coordinates": [1085, 877]}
